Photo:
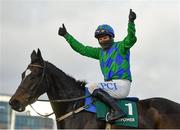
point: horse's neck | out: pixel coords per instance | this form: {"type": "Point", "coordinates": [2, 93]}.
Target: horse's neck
{"type": "Point", "coordinates": [61, 86]}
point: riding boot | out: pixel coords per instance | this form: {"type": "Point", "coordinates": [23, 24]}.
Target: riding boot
{"type": "Point", "coordinates": [106, 98]}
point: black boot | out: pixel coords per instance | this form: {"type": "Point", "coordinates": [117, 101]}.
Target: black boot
{"type": "Point", "coordinates": [106, 98]}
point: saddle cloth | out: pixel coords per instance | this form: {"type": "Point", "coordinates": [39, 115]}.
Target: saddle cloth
{"type": "Point", "coordinates": [128, 105]}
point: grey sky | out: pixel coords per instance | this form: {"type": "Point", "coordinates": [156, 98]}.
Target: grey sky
{"type": "Point", "coordinates": [155, 58]}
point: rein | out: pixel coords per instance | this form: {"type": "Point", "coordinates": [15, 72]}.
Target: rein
{"type": "Point", "coordinates": [65, 100]}
{"type": "Point", "coordinates": [62, 100]}
{"type": "Point", "coordinates": [47, 115]}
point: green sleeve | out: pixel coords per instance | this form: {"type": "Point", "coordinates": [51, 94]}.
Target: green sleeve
{"type": "Point", "coordinates": [130, 39]}
{"type": "Point", "coordinates": [80, 48]}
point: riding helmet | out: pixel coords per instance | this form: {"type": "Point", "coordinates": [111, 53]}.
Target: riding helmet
{"type": "Point", "coordinates": [104, 29]}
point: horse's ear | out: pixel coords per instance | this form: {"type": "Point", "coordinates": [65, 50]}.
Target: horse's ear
{"type": "Point", "coordinates": [33, 55]}
{"type": "Point", "coordinates": [39, 54]}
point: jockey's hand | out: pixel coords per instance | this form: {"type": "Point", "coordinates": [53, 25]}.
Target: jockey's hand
{"type": "Point", "coordinates": [62, 30]}
{"type": "Point", "coordinates": [132, 16]}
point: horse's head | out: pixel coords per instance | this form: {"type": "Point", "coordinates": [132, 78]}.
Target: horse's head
{"type": "Point", "coordinates": [32, 84]}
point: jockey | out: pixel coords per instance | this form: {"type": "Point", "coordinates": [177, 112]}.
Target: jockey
{"type": "Point", "coordinates": [114, 62]}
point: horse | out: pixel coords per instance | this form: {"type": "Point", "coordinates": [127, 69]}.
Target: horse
{"type": "Point", "coordinates": [44, 77]}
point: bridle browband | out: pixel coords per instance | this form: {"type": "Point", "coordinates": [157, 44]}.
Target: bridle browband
{"type": "Point", "coordinates": [34, 65]}
{"type": "Point", "coordinates": [39, 83]}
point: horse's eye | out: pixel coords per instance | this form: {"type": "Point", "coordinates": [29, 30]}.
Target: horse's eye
{"type": "Point", "coordinates": [32, 77]}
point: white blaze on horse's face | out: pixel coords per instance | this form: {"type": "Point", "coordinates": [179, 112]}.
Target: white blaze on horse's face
{"type": "Point", "coordinates": [27, 72]}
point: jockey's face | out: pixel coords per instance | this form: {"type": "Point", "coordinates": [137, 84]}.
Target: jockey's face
{"type": "Point", "coordinates": [104, 39]}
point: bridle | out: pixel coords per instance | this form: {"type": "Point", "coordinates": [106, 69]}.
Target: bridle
{"type": "Point", "coordinates": [44, 76]}
{"type": "Point", "coordinates": [74, 111]}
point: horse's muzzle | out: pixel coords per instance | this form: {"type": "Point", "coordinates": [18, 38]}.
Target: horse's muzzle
{"type": "Point", "coordinates": [16, 105]}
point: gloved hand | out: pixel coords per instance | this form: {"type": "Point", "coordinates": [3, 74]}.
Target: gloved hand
{"type": "Point", "coordinates": [132, 16]}
{"type": "Point", "coordinates": [62, 30]}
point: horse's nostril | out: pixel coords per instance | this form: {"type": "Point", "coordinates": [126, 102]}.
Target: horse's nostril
{"type": "Point", "coordinates": [14, 103]}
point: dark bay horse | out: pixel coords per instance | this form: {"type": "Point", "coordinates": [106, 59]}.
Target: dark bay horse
{"type": "Point", "coordinates": [44, 77]}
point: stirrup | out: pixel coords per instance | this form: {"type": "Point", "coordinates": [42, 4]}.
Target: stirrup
{"type": "Point", "coordinates": [107, 117]}
{"type": "Point", "coordinates": [111, 119]}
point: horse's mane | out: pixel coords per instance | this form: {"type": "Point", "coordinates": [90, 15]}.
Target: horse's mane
{"type": "Point", "coordinates": [67, 80]}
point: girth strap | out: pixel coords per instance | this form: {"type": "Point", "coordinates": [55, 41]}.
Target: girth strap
{"type": "Point", "coordinates": [71, 113]}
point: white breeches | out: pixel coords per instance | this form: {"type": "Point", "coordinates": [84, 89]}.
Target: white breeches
{"type": "Point", "coordinates": [116, 88]}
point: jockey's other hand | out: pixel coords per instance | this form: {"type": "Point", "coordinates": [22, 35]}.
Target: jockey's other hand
{"type": "Point", "coordinates": [132, 16]}
{"type": "Point", "coordinates": [62, 30]}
